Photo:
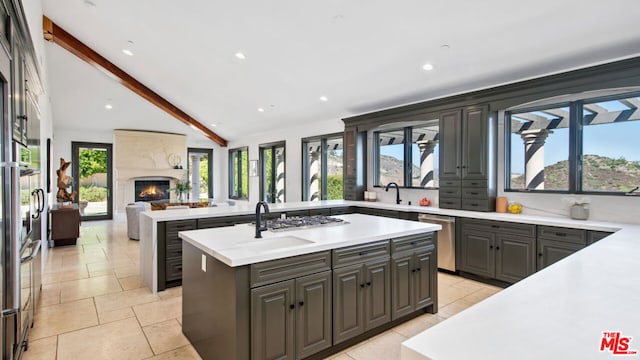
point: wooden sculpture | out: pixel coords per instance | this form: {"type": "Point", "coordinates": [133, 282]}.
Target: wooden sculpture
{"type": "Point", "coordinates": [64, 181]}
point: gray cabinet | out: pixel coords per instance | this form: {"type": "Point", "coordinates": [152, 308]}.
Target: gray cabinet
{"type": "Point", "coordinates": [355, 143]}
{"type": "Point", "coordinates": [413, 287]}
{"type": "Point", "coordinates": [493, 249]}
{"type": "Point", "coordinates": [556, 243]}
{"type": "Point", "coordinates": [467, 159]}
{"type": "Point", "coordinates": [361, 289]}
{"type": "Point", "coordinates": [291, 319]}
{"type": "Point", "coordinates": [169, 247]}
{"type": "Point", "coordinates": [594, 236]}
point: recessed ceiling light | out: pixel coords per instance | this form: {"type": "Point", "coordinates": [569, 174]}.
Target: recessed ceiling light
{"type": "Point", "coordinates": [240, 56]}
{"type": "Point", "coordinates": [213, 125]}
{"type": "Point", "coordinates": [324, 98]}
{"type": "Point", "coordinates": [427, 67]}
{"type": "Point", "coordinates": [128, 49]}
{"type": "Point", "coordinates": [445, 47]}
{"type": "Point", "coordinates": [260, 109]}
{"type": "Point", "coordinates": [108, 106]}
{"type": "Point", "coordinates": [88, 3]}
{"type": "Point", "coordinates": [194, 127]}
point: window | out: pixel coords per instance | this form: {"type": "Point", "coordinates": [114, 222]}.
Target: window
{"type": "Point", "coordinates": [409, 164]}
{"type": "Point", "coordinates": [199, 171]}
{"type": "Point", "coordinates": [272, 172]}
{"type": "Point", "coordinates": [238, 173]}
{"type": "Point", "coordinates": [322, 169]}
{"type": "Point", "coordinates": [585, 146]}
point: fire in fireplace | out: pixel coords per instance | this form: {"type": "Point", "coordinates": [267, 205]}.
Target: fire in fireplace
{"type": "Point", "coordinates": [151, 190]}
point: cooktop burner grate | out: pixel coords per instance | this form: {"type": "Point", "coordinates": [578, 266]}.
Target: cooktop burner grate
{"type": "Point", "coordinates": [297, 222]}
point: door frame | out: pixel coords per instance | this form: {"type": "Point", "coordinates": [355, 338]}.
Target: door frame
{"type": "Point", "coordinates": [263, 171]}
{"type": "Point", "coordinates": [75, 155]}
{"type": "Point", "coordinates": [209, 153]}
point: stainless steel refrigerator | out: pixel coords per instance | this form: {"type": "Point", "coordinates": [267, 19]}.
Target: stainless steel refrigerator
{"type": "Point", "coordinates": [21, 207]}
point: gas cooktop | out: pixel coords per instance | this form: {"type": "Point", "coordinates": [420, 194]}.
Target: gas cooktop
{"type": "Point", "coordinates": [297, 222]}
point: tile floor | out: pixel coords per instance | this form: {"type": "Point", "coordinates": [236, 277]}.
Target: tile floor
{"type": "Point", "coordinates": [94, 306]}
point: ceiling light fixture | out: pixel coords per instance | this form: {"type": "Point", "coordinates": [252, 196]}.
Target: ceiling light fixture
{"type": "Point", "coordinates": [128, 49]}
{"type": "Point", "coordinates": [213, 125]}
{"type": "Point", "coordinates": [240, 56]}
{"type": "Point", "coordinates": [194, 127]}
{"type": "Point", "coordinates": [88, 3]}
{"type": "Point", "coordinates": [260, 109]}
{"type": "Point", "coordinates": [427, 67]}
{"type": "Point", "coordinates": [324, 98]}
{"type": "Point", "coordinates": [108, 106]}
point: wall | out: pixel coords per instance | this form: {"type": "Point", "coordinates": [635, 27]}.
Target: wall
{"type": "Point", "coordinates": [293, 152]}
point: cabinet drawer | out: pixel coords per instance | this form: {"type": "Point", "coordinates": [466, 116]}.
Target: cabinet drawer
{"type": "Point", "coordinates": [283, 269]}
{"type": "Point", "coordinates": [297, 213]}
{"type": "Point", "coordinates": [342, 210]}
{"type": "Point", "coordinates": [174, 269]}
{"type": "Point", "coordinates": [350, 195]}
{"type": "Point", "coordinates": [474, 193]}
{"type": "Point", "coordinates": [214, 222]}
{"type": "Point", "coordinates": [449, 183]}
{"type": "Point", "coordinates": [528, 230]}
{"type": "Point", "coordinates": [325, 212]}
{"type": "Point", "coordinates": [410, 243]}
{"type": "Point", "coordinates": [474, 183]}
{"type": "Point", "coordinates": [174, 251]}
{"type": "Point", "coordinates": [180, 225]}
{"type": "Point", "coordinates": [360, 253]}
{"type": "Point", "coordinates": [449, 192]}
{"type": "Point", "coordinates": [449, 203]}
{"type": "Point", "coordinates": [576, 236]}
{"type": "Point", "coordinates": [593, 236]}
{"type": "Point", "coordinates": [477, 205]}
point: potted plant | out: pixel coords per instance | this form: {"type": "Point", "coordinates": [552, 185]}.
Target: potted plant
{"type": "Point", "coordinates": [579, 208]}
{"type": "Point", "coordinates": [182, 188]}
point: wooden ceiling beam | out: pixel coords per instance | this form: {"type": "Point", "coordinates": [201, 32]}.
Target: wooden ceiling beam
{"type": "Point", "coordinates": [54, 33]}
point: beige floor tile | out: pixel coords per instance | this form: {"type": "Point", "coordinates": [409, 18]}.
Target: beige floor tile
{"type": "Point", "coordinates": [340, 356]}
{"type": "Point", "coordinates": [98, 273]}
{"type": "Point", "coordinates": [382, 347]}
{"type": "Point", "coordinates": [417, 325]}
{"type": "Point", "coordinates": [58, 319]}
{"type": "Point", "coordinates": [60, 276]}
{"type": "Point", "coordinates": [50, 295]}
{"type": "Point", "coordinates": [127, 271]}
{"type": "Point", "coordinates": [448, 279]}
{"type": "Point", "coordinates": [124, 299]}
{"type": "Point", "coordinates": [121, 339]}
{"type": "Point", "coordinates": [481, 294]}
{"type": "Point", "coordinates": [115, 315]}
{"type": "Point", "coordinates": [42, 349]}
{"type": "Point", "coordinates": [158, 311]}
{"type": "Point", "coordinates": [454, 308]}
{"type": "Point", "coordinates": [170, 292]}
{"type": "Point", "coordinates": [131, 282]}
{"type": "Point", "coordinates": [84, 288]}
{"type": "Point", "coordinates": [449, 294]}
{"type": "Point", "coordinates": [165, 336]}
{"type": "Point", "coordinates": [183, 353]}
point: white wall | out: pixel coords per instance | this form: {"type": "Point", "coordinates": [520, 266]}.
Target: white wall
{"type": "Point", "coordinates": [293, 152]}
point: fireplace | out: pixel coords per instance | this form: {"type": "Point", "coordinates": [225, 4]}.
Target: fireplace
{"type": "Point", "coordinates": [151, 190]}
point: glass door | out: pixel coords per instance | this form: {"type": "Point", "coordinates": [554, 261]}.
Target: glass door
{"type": "Point", "coordinates": [93, 179]}
{"type": "Point", "coordinates": [199, 170]}
{"type": "Point", "coordinates": [272, 172]}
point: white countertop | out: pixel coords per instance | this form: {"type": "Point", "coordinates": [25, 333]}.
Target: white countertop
{"type": "Point", "coordinates": [247, 209]}
{"type": "Point", "coordinates": [560, 312]}
{"type": "Point", "coordinates": [237, 246]}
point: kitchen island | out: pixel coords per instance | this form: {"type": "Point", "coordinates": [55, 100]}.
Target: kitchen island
{"type": "Point", "coordinates": [304, 293]}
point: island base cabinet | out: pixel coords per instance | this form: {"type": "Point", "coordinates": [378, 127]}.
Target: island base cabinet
{"type": "Point", "coordinates": [291, 319]}
{"type": "Point", "coordinates": [550, 251]}
{"type": "Point", "coordinates": [362, 298]}
{"type": "Point", "coordinates": [413, 288]}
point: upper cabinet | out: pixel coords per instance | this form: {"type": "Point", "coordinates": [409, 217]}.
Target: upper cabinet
{"type": "Point", "coordinates": [468, 159]}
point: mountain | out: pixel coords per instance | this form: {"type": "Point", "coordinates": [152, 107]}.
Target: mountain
{"type": "Point", "coordinates": [391, 170]}
{"type": "Point", "coordinates": [599, 173]}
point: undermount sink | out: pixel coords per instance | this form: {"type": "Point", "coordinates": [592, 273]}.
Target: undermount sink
{"type": "Point", "coordinates": [273, 244]}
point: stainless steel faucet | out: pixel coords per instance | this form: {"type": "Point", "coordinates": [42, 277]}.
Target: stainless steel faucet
{"type": "Point", "coordinates": [259, 227]}
{"type": "Point", "coordinates": [386, 188]}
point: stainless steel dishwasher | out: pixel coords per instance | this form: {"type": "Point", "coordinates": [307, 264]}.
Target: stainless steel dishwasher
{"type": "Point", "coordinates": [446, 239]}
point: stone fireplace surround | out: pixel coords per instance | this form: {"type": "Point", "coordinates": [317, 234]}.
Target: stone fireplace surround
{"type": "Point", "coordinates": [145, 155]}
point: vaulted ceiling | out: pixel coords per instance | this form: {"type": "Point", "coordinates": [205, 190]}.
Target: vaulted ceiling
{"type": "Point", "coordinates": [362, 55]}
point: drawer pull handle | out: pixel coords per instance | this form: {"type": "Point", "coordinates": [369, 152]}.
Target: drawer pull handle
{"type": "Point", "coordinates": [368, 283]}
{"type": "Point", "coordinates": [497, 248]}
{"type": "Point", "coordinates": [561, 234]}
{"type": "Point", "coordinates": [418, 269]}
{"type": "Point", "coordinates": [540, 255]}
{"type": "Point", "coordinates": [490, 246]}
{"type": "Point", "coordinates": [362, 285]}
{"type": "Point", "coordinates": [474, 193]}
{"type": "Point", "coordinates": [495, 226]}
{"type": "Point", "coordinates": [301, 303]}
{"type": "Point", "coordinates": [473, 183]}
{"type": "Point", "coordinates": [292, 306]}
{"type": "Point", "coordinates": [362, 253]}
{"type": "Point", "coordinates": [474, 204]}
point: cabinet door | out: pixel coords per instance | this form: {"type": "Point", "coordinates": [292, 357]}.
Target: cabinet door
{"type": "Point", "coordinates": [515, 257]}
{"type": "Point", "coordinates": [402, 296]}
{"type": "Point", "coordinates": [477, 253]}
{"type": "Point", "coordinates": [450, 140]}
{"type": "Point", "coordinates": [474, 143]}
{"type": "Point", "coordinates": [377, 297]}
{"type": "Point", "coordinates": [550, 251]}
{"type": "Point", "coordinates": [313, 314]}
{"type": "Point", "coordinates": [272, 321]}
{"type": "Point", "coordinates": [347, 303]}
{"type": "Point", "coordinates": [593, 236]}
{"type": "Point", "coordinates": [423, 278]}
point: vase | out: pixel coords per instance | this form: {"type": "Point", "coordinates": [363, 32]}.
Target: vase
{"type": "Point", "coordinates": [181, 197]}
{"type": "Point", "coordinates": [579, 212]}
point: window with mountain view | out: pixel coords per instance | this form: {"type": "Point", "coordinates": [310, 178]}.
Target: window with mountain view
{"type": "Point", "coordinates": [322, 170]}
{"type": "Point", "coordinates": [585, 146]}
{"type": "Point", "coordinates": [409, 164]}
